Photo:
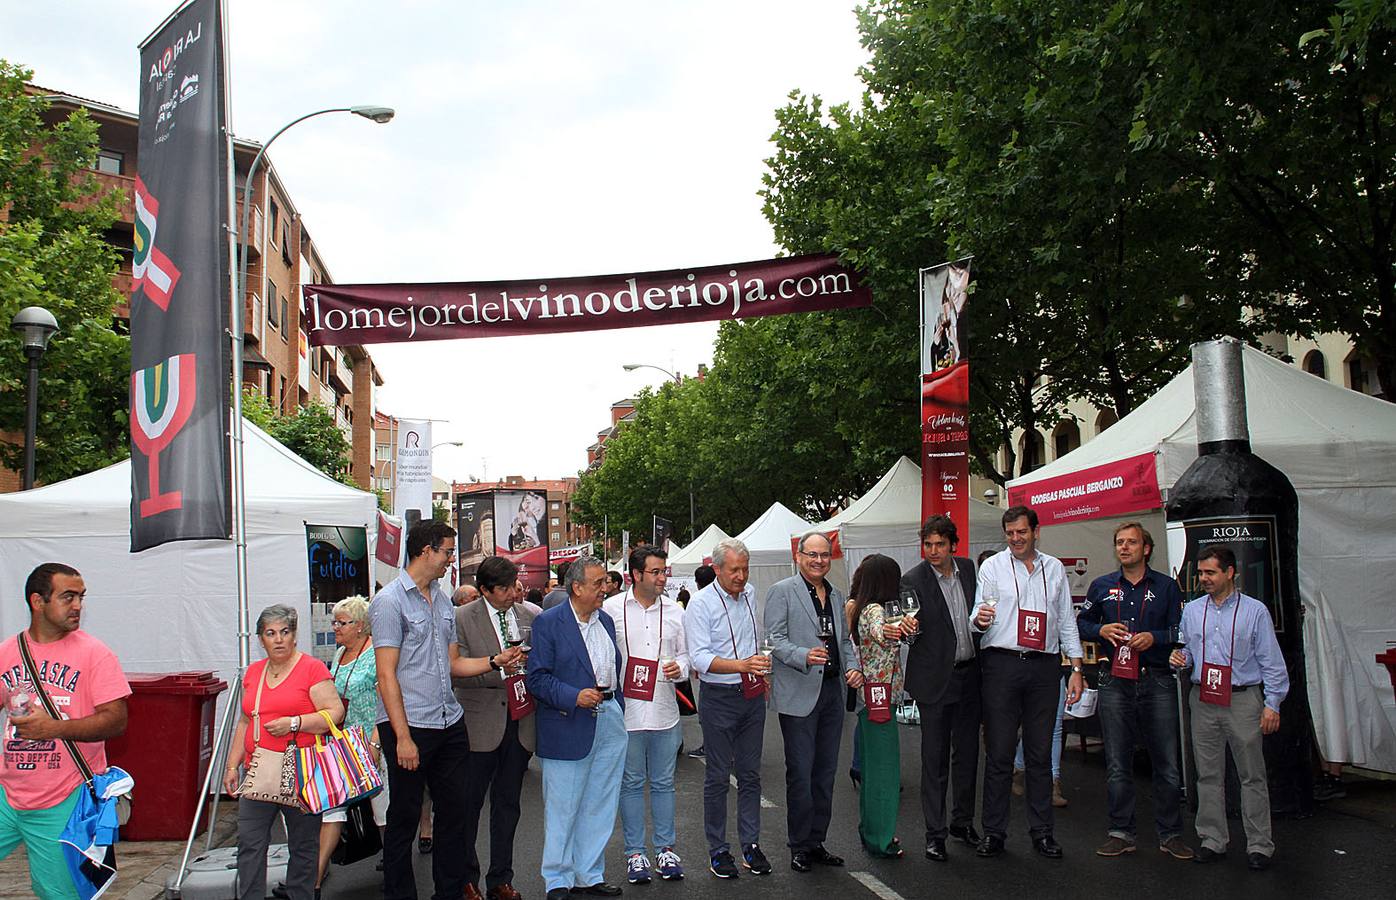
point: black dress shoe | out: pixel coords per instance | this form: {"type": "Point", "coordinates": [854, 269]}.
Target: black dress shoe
{"type": "Point", "coordinates": [824, 857]}
{"type": "Point", "coordinates": [558, 894]}
{"type": "Point", "coordinates": [1257, 862]}
{"type": "Point", "coordinates": [800, 861]}
{"type": "Point", "coordinates": [1208, 855]}
{"type": "Point", "coordinates": [935, 849]}
{"type": "Point", "coordinates": [990, 846]}
{"type": "Point", "coordinates": [600, 889]}
{"type": "Point", "coordinates": [1047, 846]}
{"type": "Point", "coordinates": [965, 833]}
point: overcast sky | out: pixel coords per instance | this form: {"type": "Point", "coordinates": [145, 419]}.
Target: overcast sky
{"type": "Point", "coordinates": [532, 139]}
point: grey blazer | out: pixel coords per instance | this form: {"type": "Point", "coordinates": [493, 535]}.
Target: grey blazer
{"type": "Point", "coordinates": [482, 696]}
{"type": "Point", "coordinates": [791, 623]}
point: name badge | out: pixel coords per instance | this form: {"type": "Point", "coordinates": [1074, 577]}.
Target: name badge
{"type": "Point", "coordinates": [878, 698]}
{"type": "Point", "coordinates": [1215, 684]}
{"type": "Point", "coordinates": [1125, 662]}
{"type": "Point", "coordinates": [520, 700]}
{"type": "Point", "coordinates": [639, 678]}
{"type": "Point", "coordinates": [1032, 629]}
{"type": "Point", "coordinates": [753, 686]}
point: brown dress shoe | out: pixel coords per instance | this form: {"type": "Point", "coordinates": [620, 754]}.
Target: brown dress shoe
{"type": "Point", "coordinates": [1057, 799]}
{"type": "Point", "coordinates": [472, 893]}
{"type": "Point", "coordinates": [503, 892]}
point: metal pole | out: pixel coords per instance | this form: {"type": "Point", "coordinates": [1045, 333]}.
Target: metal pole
{"type": "Point", "coordinates": [31, 414]}
{"type": "Point", "coordinates": [234, 702]}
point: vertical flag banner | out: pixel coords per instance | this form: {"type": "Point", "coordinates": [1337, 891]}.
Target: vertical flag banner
{"type": "Point", "coordinates": [663, 530]}
{"type": "Point", "coordinates": [180, 359]}
{"type": "Point", "coordinates": [945, 291]}
{"type": "Point", "coordinates": [389, 547]}
{"type": "Point", "coordinates": [521, 535]}
{"type": "Point", "coordinates": [412, 473]}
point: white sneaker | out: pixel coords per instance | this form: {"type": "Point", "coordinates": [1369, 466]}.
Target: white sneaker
{"type": "Point", "coordinates": [637, 869]}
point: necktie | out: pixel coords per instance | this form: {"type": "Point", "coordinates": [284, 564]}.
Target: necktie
{"type": "Point", "coordinates": [503, 625]}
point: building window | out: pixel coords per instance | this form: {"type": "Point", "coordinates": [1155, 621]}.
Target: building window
{"type": "Point", "coordinates": [273, 309]}
{"type": "Point", "coordinates": [1315, 364]}
{"type": "Point", "coordinates": [1065, 438]}
{"type": "Point", "coordinates": [1031, 452]}
{"type": "Point", "coordinates": [282, 399]}
{"type": "Point", "coordinates": [556, 536]}
{"type": "Point", "coordinates": [1103, 421]}
{"type": "Point", "coordinates": [382, 451]}
{"type": "Point", "coordinates": [274, 215]}
{"type": "Point", "coordinates": [285, 316]}
{"type": "Point", "coordinates": [112, 162]}
{"type": "Point", "coordinates": [556, 506]}
{"type": "Point", "coordinates": [1357, 373]}
{"type": "Point", "coordinates": [555, 521]}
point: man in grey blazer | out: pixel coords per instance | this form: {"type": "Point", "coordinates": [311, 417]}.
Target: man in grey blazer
{"type": "Point", "coordinates": [808, 693]}
{"type": "Point", "coordinates": [501, 737]}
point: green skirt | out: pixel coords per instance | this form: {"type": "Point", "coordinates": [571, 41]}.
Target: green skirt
{"type": "Point", "coordinates": [882, 784]}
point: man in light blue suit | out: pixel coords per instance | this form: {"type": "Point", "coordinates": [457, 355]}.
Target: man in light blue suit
{"type": "Point", "coordinates": [815, 659]}
{"type": "Point", "coordinates": [573, 673]}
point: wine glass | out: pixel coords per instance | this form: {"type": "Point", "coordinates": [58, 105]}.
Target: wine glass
{"type": "Point", "coordinates": [911, 605]}
{"type": "Point", "coordinates": [989, 596]}
{"type": "Point", "coordinates": [525, 644]}
{"type": "Point", "coordinates": [767, 648]}
{"type": "Point", "coordinates": [666, 655]}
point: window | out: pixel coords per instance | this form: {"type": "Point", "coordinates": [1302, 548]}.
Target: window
{"type": "Point", "coordinates": [556, 506]}
{"type": "Point", "coordinates": [1357, 373]}
{"type": "Point", "coordinates": [557, 536]}
{"type": "Point", "coordinates": [382, 451]}
{"type": "Point", "coordinates": [1315, 364]}
{"type": "Point", "coordinates": [274, 215]}
{"type": "Point", "coordinates": [1106, 418]}
{"type": "Point", "coordinates": [555, 521]}
{"type": "Point", "coordinates": [112, 162]}
{"type": "Point", "coordinates": [272, 307]}
{"type": "Point", "coordinates": [282, 397]}
{"type": "Point", "coordinates": [286, 245]}
{"type": "Point", "coordinates": [1065, 438]}
{"type": "Point", "coordinates": [285, 316]}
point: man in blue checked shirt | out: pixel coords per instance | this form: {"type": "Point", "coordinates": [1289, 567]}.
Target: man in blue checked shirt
{"type": "Point", "coordinates": [1239, 680]}
{"type": "Point", "coordinates": [1132, 613]}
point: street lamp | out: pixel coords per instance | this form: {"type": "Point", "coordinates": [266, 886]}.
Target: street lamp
{"type": "Point", "coordinates": [692, 509]}
{"type": "Point", "coordinates": [448, 444]}
{"type": "Point", "coordinates": [35, 326]}
{"type": "Point", "coordinates": [631, 367]}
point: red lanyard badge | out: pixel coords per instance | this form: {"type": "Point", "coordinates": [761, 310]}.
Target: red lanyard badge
{"type": "Point", "coordinates": [1032, 623]}
{"type": "Point", "coordinates": [1124, 662]}
{"type": "Point", "coordinates": [640, 673]}
{"type": "Point", "coordinates": [1214, 683]}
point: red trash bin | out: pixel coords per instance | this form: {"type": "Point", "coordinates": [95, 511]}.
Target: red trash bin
{"type": "Point", "coordinates": [167, 748]}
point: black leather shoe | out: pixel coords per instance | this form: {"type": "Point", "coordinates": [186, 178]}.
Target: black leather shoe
{"type": "Point", "coordinates": [824, 857]}
{"type": "Point", "coordinates": [1208, 855]}
{"type": "Point", "coordinates": [990, 846]}
{"type": "Point", "coordinates": [965, 833]}
{"type": "Point", "coordinates": [558, 894]}
{"type": "Point", "coordinates": [935, 849]}
{"type": "Point", "coordinates": [1047, 846]}
{"type": "Point", "coordinates": [600, 889]}
{"type": "Point", "coordinates": [1257, 862]}
{"type": "Point", "coordinates": [800, 861]}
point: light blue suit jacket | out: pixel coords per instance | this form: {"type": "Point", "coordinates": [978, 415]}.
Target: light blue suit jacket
{"type": "Point", "coordinates": [793, 627]}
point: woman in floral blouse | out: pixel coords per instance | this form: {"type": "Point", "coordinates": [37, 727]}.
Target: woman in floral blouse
{"type": "Point", "coordinates": [877, 581]}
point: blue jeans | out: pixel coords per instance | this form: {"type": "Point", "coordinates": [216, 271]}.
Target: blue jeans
{"type": "Point", "coordinates": [1056, 739]}
{"type": "Point", "coordinates": [1141, 712]}
{"type": "Point", "coordinates": [579, 806]}
{"type": "Point", "coordinates": [650, 758]}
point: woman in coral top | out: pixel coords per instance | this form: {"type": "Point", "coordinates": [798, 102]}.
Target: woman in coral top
{"type": "Point", "coordinates": [282, 697]}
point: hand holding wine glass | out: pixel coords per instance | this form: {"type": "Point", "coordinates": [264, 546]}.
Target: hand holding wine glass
{"type": "Point", "coordinates": [989, 601]}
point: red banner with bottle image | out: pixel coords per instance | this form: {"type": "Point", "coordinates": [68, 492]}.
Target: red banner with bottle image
{"type": "Point", "coordinates": [945, 291]}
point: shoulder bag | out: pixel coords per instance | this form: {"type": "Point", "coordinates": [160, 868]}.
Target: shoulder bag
{"type": "Point", "coordinates": [271, 774]}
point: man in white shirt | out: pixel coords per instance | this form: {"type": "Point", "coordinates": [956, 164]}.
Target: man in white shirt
{"type": "Point", "coordinates": [654, 656]}
{"type": "Point", "coordinates": [1023, 609]}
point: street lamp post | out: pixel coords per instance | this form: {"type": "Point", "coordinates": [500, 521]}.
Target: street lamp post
{"type": "Point", "coordinates": [631, 367]}
{"type": "Point", "coordinates": [692, 519]}
{"type": "Point", "coordinates": [35, 326]}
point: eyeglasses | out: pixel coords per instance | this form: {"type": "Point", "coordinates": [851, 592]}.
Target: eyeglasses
{"type": "Point", "coordinates": [817, 557]}
{"type": "Point", "coordinates": [340, 623]}
{"type": "Point", "coordinates": [653, 573]}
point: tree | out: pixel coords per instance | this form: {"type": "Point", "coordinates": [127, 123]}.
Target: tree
{"type": "Point", "coordinates": [53, 253]}
{"type": "Point", "coordinates": [311, 433]}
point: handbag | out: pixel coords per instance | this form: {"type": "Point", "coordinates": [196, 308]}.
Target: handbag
{"type": "Point", "coordinates": [335, 772]}
{"type": "Point", "coordinates": [359, 839]}
{"type": "Point", "coordinates": [271, 774]}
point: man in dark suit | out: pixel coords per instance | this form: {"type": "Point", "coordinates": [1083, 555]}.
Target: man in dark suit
{"type": "Point", "coordinates": [573, 673]}
{"type": "Point", "coordinates": [499, 722]}
{"type": "Point", "coordinates": [942, 676]}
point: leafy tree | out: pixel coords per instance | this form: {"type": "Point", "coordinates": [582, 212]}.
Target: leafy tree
{"type": "Point", "coordinates": [53, 254]}
{"type": "Point", "coordinates": [310, 432]}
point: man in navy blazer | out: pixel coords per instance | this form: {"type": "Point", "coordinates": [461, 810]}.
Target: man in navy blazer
{"type": "Point", "coordinates": [574, 671]}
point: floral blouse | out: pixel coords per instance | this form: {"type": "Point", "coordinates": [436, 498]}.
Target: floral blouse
{"type": "Point", "coordinates": [882, 659]}
{"type": "Point", "coordinates": [357, 680]}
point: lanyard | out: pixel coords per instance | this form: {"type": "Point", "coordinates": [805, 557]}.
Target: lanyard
{"type": "Point", "coordinates": [625, 623]}
{"type": "Point", "coordinates": [1014, 570]}
{"type": "Point", "coordinates": [1231, 654]}
{"type": "Point", "coordinates": [723, 594]}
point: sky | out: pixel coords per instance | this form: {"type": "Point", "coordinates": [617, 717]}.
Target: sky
{"type": "Point", "coordinates": [532, 140]}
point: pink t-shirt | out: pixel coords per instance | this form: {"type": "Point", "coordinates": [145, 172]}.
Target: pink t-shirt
{"type": "Point", "coordinates": [289, 698]}
{"type": "Point", "coordinates": [79, 674]}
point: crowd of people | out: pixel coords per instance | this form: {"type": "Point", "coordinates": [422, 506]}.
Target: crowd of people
{"type": "Point", "coordinates": [457, 694]}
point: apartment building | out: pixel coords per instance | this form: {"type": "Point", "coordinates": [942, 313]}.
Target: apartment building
{"type": "Point", "coordinates": [278, 362]}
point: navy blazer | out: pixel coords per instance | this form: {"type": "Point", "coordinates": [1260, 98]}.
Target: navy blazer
{"type": "Point", "coordinates": [559, 668]}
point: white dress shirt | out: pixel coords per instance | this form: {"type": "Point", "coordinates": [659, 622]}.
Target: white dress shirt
{"type": "Point", "coordinates": [600, 649]}
{"type": "Point", "coordinates": [1045, 588]}
{"type": "Point", "coordinates": [640, 627]}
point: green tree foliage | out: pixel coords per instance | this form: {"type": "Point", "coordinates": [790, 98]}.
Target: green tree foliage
{"type": "Point", "coordinates": [311, 434]}
{"type": "Point", "coordinates": [53, 254]}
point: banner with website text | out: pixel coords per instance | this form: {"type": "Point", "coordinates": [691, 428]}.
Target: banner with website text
{"type": "Point", "coordinates": [945, 290]}
{"type": "Point", "coordinates": [339, 314]}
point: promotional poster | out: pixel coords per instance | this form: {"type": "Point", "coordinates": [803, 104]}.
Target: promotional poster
{"type": "Point", "coordinates": [520, 533]}
{"type": "Point", "coordinates": [412, 473]}
{"type": "Point", "coordinates": [474, 532]}
{"type": "Point", "coordinates": [1250, 537]}
{"type": "Point", "coordinates": [945, 291]}
{"type": "Point", "coordinates": [338, 564]}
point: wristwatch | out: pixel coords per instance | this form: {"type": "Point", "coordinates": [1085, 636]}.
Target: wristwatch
{"type": "Point", "coordinates": [1076, 670]}
{"type": "Point", "coordinates": [295, 724]}
{"type": "Point", "coordinates": [494, 665]}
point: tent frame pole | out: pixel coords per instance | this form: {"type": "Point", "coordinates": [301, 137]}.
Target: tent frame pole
{"type": "Point", "coordinates": [215, 764]}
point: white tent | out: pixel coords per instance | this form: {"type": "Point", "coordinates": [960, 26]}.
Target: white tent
{"type": "Point", "coordinates": [686, 560]}
{"type": "Point", "coordinates": [1338, 448]}
{"type": "Point", "coordinates": [768, 540]}
{"type": "Point", "coordinates": [174, 607]}
{"type": "Point", "coordinates": [887, 520]}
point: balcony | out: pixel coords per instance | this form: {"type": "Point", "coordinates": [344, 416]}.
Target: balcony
{"type": "Point", "coordinates": [255, 226]}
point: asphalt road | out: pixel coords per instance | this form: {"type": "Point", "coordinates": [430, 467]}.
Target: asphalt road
{"type": "Point", "coordinates": [1347, 849]}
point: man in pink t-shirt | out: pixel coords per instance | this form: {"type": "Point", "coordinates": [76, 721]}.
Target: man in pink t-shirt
{"type": "Point", "coordinates": [39, 780]}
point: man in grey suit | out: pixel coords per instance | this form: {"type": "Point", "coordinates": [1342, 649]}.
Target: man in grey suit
{"type": "Point", "coordinates": [806, 624]}
{"type": "Point", "coordinates": [499, 720]}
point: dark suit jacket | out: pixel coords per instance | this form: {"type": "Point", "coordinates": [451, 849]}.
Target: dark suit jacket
{"type": "Point", "coordinates": [482, 696]}
{"type": "Point", "coordinates": [932, 655]}
{"type": "Point", "coordinates": [559, 668]}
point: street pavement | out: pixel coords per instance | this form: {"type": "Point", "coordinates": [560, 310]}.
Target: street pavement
{"type": "Point", "coordinates": [1345, 849]}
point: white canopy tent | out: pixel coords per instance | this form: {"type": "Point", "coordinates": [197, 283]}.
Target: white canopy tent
{"type": "Point", "coordinates": [685, 561]}
{"type": "Point", "coordinates": [1338, 448]}
{"type": "Point", "coordinates": [768, 540]}
{"type": "Point", "coordinates": [174, 607]}
{"type": "Point", "coordinates": [887, 520]}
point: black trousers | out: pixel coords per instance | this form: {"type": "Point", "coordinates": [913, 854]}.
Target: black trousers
{"type": "Point", "coordinates": [950, 752]}
{"type": "Point", "coordinates": [811, 764]}
{"type": "Point", "coordinates": [1019, 693]}
{"type": "Point", "coordinates": [441, 768]}
{"type": "Point", "coordinates": [498, 773]}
